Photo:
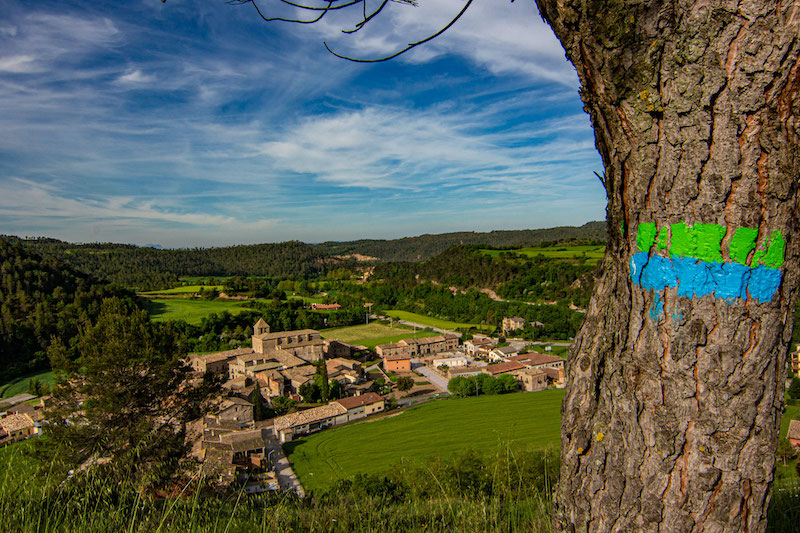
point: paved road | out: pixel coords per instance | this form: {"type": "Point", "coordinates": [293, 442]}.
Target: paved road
{"type": "Point", "coordinates": [431, 375]}
{"type": "Point", "coordinates": [283, 468]}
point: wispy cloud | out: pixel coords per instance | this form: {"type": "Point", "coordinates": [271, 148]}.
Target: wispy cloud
{"type": "Point", "coordinates": [197, 124]}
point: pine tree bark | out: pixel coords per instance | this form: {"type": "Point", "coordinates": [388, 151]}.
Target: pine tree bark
{"type": "Point", "coordinates": [671, 416]}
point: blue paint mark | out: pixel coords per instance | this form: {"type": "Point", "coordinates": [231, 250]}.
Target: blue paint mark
{"type": "Point", "coordinates": [696, 278]}
{"type": "Point", "coordinates": [657, 307]}
{"type": "Point", "coordinates": [658, 272]}
{"type": "Point", "coordinates": [677, 314]}
{"type": "Point", "coordinates": [764, 283]}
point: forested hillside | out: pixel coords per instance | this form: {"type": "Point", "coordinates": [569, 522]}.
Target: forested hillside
{"type": "Point", "coordinates": [427, 246]}
{"type": "Point", "coordinates": [537, 279]}
{"type": "Point", "coordinates": [151, 268]}
{"type": "Point", "coordinates": [41, 299]}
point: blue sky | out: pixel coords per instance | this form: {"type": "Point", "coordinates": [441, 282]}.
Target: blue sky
{"type": "Point", "coordinates": [197, 124]}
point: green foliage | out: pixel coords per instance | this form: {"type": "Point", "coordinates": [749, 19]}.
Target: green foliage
{"type": "Point", "coordinates": [258, 403]}
{"type": "Point", "coordinates": [151, 268]}
{"type": "Point", "coordinates": [426, 246]}
{"type": "Point", "coordinates": [794, 389]}
{"type": "Point", "coordinates": [41, 299]}
{"type": "Point", "coordinates": [120, 410]}
{"type": "Point", "coordinates": [282, 404]}
{"type": "Point", "coordinates": [405, 383]}
{"type": "Point", "coordinates": [321, 380]}
{"type": "Point", "coordinates": [482, 384]}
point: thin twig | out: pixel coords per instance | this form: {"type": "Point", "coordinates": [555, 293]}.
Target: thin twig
{"type": "Point", "coordinates": [407, 48]}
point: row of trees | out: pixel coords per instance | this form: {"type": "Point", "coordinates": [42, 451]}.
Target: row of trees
{"type": "Point", "coordinates": [482, 384]}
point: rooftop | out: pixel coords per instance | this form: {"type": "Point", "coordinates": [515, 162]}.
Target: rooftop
{"type": "Point", "coordinates": [535, 359]}
{"type": "Point", "coordinates": [794, 430]}
{"type": "Point", "coordinates": [359, 401]}
{"type": "Point", "coordinates": [13, 423]}
{"type": "Point", "coordinates": [308, 416]}
{"type": "Point", "coordinates": [502, 368]}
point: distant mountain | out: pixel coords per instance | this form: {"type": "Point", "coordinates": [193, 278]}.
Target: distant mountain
{"type": "Point", "coordinates": [427, 246]}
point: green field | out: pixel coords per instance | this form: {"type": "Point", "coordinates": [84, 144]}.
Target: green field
{"type": "Point", "coordinates": [192, 311]}
{"type": "Point", "coordinates": [437, 428]}
{"type": "Point", "coordinates": [20, 385]}
{"type": "Point", "coordinates": [371, 335]}
{"type": "Point", "coordinates": [186, 289]}
{"type": "Point", "coordinates": [434, 322]}
{"type": "Point", "coordinates": [592, 253]}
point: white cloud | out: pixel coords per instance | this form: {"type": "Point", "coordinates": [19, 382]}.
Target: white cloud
{"type": "Point", "coordinates": [21, 64]}
{"type": "Point", "coordinates": [135, 77]}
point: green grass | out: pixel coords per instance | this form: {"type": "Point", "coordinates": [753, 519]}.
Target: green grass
{"type": "Point", "coordinates": [434, 322]}
{"type": "Point", "coordinates": [20, 385]}
{"type": "Point", "coordinates": [186, 289]}
{"type": "Point", "coordinates": [192, 311]}
{"type": "Point", "coordinates": [307, 299]}
{"type": "Point", "coordinates": [438, 428]}
{"type": "Point", "coordinates": [371, 335]}
{"type": "Point", "coordinates": [593, 253]}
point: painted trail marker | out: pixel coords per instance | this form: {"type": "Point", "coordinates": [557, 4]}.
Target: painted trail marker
{"type": "Point", "coordinates": [690, 259]}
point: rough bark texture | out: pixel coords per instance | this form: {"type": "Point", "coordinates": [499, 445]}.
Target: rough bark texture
{"type": "Point", "coordinates": [671, 417]}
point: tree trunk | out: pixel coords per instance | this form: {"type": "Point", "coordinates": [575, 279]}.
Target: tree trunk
{"type": "Point", "coordinates": [671, 415]}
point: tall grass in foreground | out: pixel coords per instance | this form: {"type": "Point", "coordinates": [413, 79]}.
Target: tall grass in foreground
{"type": "Point", "coordinates": [506, 490]}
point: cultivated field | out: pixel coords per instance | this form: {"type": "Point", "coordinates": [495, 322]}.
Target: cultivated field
{"type": "Point", "coordinates": [434, 322]}
{"type": "Point", "coordinates": [593, 253]}
{"type": "Point", "coordinates": [192, 311]}
{"type": "Point", "coordinates": [20, 385]}
{"type": "Point", "coordinates": [437, 428]}
{"type": "Point", "coordinates": [371, 335]}
{"type": "Point", "coordinates": [186, 289]}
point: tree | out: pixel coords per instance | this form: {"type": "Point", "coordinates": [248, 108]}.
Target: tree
{"type": "Point", "coordinates": [121, 405]}
{"type": "Point", "coordinates": [670, 418]}
{"type": "Point", "coordinates": [321, 380]}
{"type": "Point", "coordinates": [258, 402]}
{"type": "Point", "coordinates": [794, 389]}
{"type": "Point", "coordinates": [405, 383]}
{"type": "Point", "coordinates": [675, 381]}
{"type": "Point", "coordinates": [786, 452]}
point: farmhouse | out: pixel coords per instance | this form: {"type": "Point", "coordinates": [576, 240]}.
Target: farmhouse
{"type": "Point", "coordinates": [451, 360]}
{"type": "Point", "coordinates": [513, 323]}
{"type": "Point", "coordinates": [325, 307]}
{"type": "Point", "coordinates": [419, 347]}
{"type": "Point", "coordinates": [286, 427]}
{"type": "Point", "coordinates": [794, 359]}
{"type": "Point", "coordinates": [794, 433]}
{"type": "Point", "coordinates": [15, 427]}
{"type": "Point", "coordinates": [362, 406]}
{"type": "Point", "coordinates": [503, 353]}
{"type": "Point", "coordinates": [502, 368]}
{"type": "Point", "coordinates": [478, 346]}
{"type": "Point", "coordinates": [397, 363]}
{"type": "Point", "coordinates": [532, 379]}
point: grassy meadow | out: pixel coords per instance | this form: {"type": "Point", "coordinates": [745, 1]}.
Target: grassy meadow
{"type": "Point", "coordinates": [192, 311]}
{"type": "Point", "coordinates": [592, 253]}
{"type": "Point", "coordinates": [373, 334]}
{"type": "Point", "coordinates": [20, 385]}
{"type": "Point", "coordinates": [186, 289]}
{"type": "Point", "coordinates": [439, 428]}
{"type": "Point", "coordinates": [434, 322]}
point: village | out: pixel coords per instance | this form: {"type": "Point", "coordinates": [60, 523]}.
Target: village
{"type": "Point", "coordinates": [234, 446]}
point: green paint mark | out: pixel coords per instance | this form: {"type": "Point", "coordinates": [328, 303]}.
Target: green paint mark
{"type": "Point", "coordinates": [708, 241]}
{"type": "Point", "coordinates": [742, 243]}
{"type": "Point", "coordinates": [702, 241]}
{"type": "Point", "coordinates": [774, 256]}
{"type": "Point", "coordinates": [646, 236]}
{"type": "Point", "coordinates": [682, 244]}
{"type": "Point", "coordinates": [663, 238]}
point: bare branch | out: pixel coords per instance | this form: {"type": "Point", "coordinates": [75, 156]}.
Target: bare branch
{"type": "Point", "coordinates": [367, 18]}
{"type": "Point", "coordinates": [407, 48]}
